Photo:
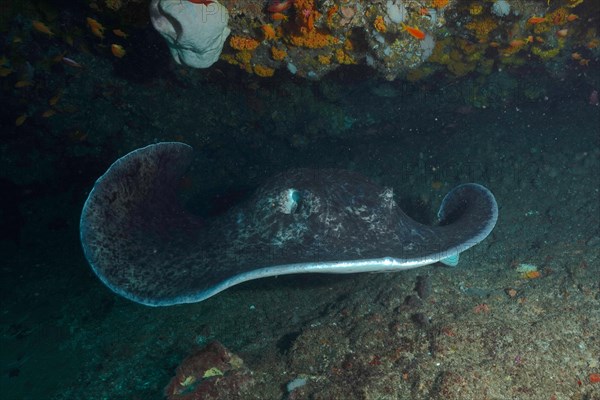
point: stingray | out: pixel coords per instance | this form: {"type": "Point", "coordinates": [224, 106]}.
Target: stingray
{"type": "Point", "coordinates": [144, 245]}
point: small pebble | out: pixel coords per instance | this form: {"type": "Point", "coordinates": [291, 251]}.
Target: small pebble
{"type": "Point", "coordinates": [295, 384]}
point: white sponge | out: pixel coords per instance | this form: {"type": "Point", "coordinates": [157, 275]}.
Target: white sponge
{"type": "Point", "coordinates": [195, 33]}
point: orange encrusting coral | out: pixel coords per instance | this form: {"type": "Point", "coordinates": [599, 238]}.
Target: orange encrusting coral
{"type": "Point", "coordinates": [439, 3]}
{"type": "Point", "coordinates": [313, 40]}
{"type": "Point", "coordinates": [343, 57]}
{"type": "Point", "coordinates": [482, 27]}
{"type": "Point", "coordinates": [558, 16]}
{"type": "Point", "coordinates": [475, 9]}
{"type": "Point", "coordinates": [263, 71]}
{"type": "Point", "coordinates": [243, 56]}
{"type": "Point", "coordinates": [304, 4]}
{"type": "Point", "coordinates": [278, 54]}
{"type": "Point", "coordinates": [348, 45]}
{"type": "Point", "coordinates": [268, 32]}
{"type": "Point", "coordinates": [243, 43]}
{"type": "Point", "coordinates": [306, 14]}
{"type": "Point", "coordinates": [305, 33]}
{"type": "Point", "coordinates": [323, 59]}
{"type": "Point", "coordinates": [314, 36]}
{"type": "Point", "coordinates": [330, 13]}
{"type": "Point", "coordinates": [379, 24]}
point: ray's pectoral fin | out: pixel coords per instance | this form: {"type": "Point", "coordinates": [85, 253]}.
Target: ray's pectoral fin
{"type": "Point", "coordinates": [142, 243]}
{"type": "Point", "coordinates": [451, 261]}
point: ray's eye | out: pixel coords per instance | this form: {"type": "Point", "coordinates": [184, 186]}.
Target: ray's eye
{"type": "Point", "coordinates": [291, 199]}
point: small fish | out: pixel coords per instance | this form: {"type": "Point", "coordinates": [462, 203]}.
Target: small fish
{"type": "Point", "coordinates": [572, 17]}
{"type": "Point", "coordinates": [4, 71]}
{"type": "Point", "coordinates": [120, 33]}
{"type": "Point", "coordinates": [536, 20]}
{"type": "Point", "coordinates": [22, 84]}
{"type": "Point", "coordinates": [20, 120]}
{"type": "Point", "coordinates": [592, 44]}
{"type": "Point", "coordinates": [53, 100]}
{"type": "Point", "coordinates": [69, 39]}
{"type": "Point", "coordinates": [279, 17]}
{"type": "Point", "coordinates": [48, 113]}
{"type": "Point", "coordinates": [277, 6]}
{"type": "Point", "coordinates": [517, 43]}
{"type": "Point", "coordinates": [558, 19]}
{"type": "Point", "coordinates": [268, 32]}
{"type": "Point", "coordinates": [414, 31]}
{"type": "Point", "coordinates": [71, 63]}
{"type": "Point", "coordinates": [58, 58]}
{"type": "Point", "coordinates": [562, 33]}
{"type": "Point", "coordinates": [117, 50]}
{"type": "Point", "coordinates": [41, 27]}
{"type": "Point", "coordinates": [96, 27]}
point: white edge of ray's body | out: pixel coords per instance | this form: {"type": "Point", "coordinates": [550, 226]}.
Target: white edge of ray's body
{"type": "Point", "coordinates": [384, 264]}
